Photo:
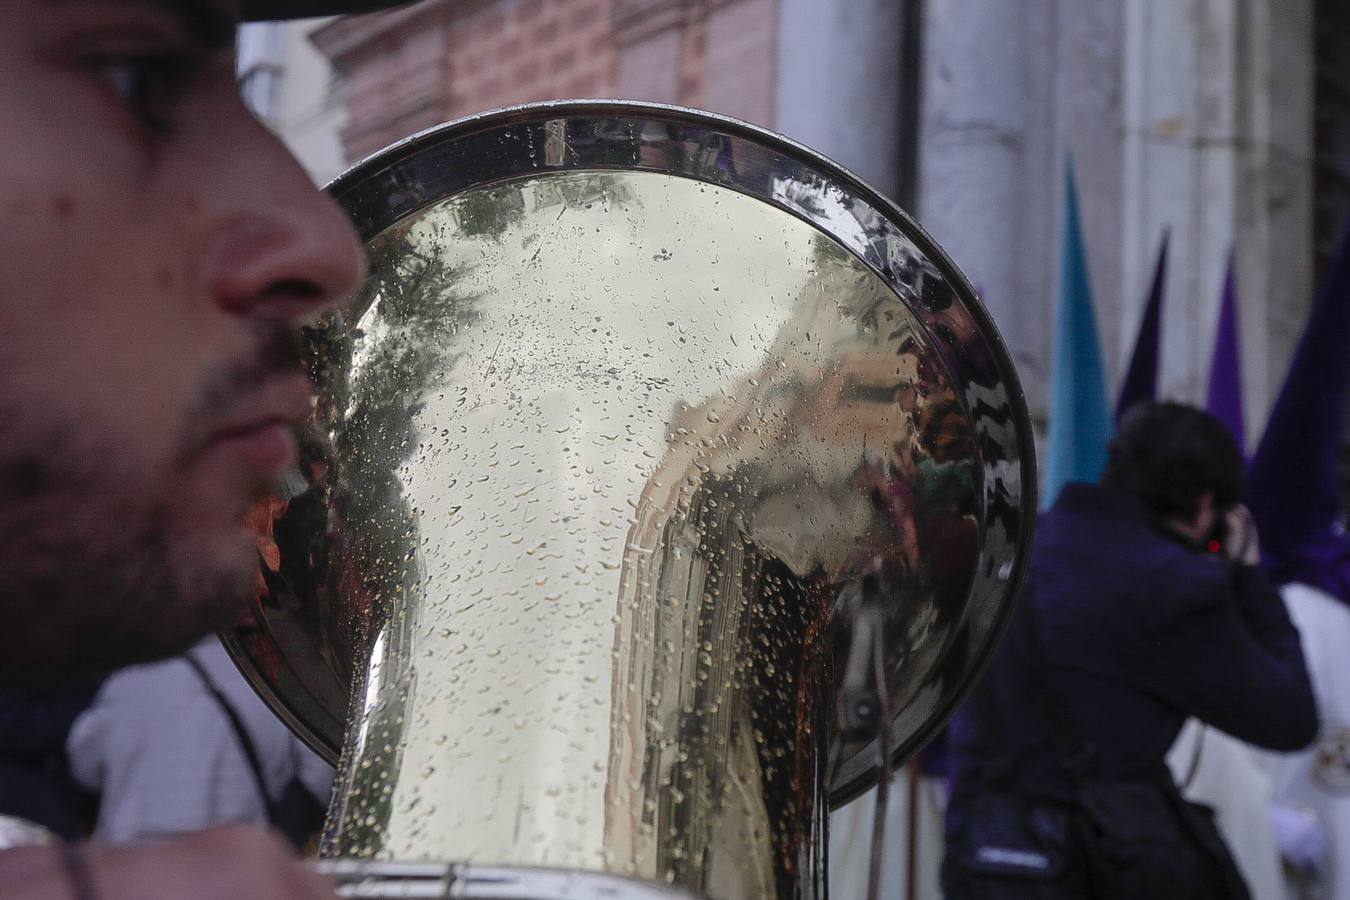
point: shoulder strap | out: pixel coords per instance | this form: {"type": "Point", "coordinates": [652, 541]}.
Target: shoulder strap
{"type": "Point", "coordinates": [1076, 754]}
{"type": "Point", "coordinates": [1194, 768]}
{"type": "Point", "coordinates": [240, 732]}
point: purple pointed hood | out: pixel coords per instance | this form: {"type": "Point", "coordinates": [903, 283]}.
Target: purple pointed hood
{"type": "Point", "coordinates": [1291, 486]}
{"type": "Point", "coordinates": [1224, 400]}
{"type": "Point", "coordinates": [1141, 378]}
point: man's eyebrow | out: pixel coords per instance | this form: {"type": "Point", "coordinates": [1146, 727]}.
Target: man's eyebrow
{"type": "Point", "coordinates": [209, 23]}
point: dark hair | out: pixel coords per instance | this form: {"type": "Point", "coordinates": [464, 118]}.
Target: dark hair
{"type": "Point", "coordinates": [1169, 454]}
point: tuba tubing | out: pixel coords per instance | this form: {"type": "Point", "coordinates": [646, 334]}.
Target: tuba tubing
{"type": "Point", "coordinates": [661, 473]}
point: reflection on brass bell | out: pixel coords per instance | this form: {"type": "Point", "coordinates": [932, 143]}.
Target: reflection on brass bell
{"type": "Point", "coordinates": [640, 507]}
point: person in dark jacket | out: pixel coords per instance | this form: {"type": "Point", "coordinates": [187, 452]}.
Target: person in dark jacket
{"type": "Point", "coordinates": [1148, 606]}
{"type": "Point", "coordinates": [35, 780]}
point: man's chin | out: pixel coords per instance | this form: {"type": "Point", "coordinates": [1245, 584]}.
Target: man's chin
{"type": "Point", "coordinates": [206, 588]}
{"type": "Point", "coordinates": [177, 632]}
{"type": "Point", "coordinates": [219, 577]}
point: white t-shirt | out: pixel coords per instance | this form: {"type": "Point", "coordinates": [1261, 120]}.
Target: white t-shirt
{"type": "Point", "coordinates": [166, 760]}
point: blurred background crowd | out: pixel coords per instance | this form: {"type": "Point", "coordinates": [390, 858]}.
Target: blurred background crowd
{"type": "Point", "coordinates": [1146, 196]}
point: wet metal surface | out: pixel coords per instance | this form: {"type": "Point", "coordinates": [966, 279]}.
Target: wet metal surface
{"type": "Point", "coordinates": [644, 422]}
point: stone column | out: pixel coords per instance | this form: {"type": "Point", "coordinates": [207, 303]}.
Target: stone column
{"type": "Point", "coordinates": [1218, 143]}
{"type": "Point", "coordinates": [975, 156]}
{"type": "Point", "coordinates": [838, 84]}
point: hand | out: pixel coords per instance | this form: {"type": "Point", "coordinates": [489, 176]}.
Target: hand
{"type": "Point", "coordinates": [1301, 838]}
{"type": "Point", "coordinates": [221, 864]}
{"type": "Point", "coordinates": [1242, 544]}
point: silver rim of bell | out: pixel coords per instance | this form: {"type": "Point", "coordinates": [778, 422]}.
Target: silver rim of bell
{"type": "Point", "coordinates": [387, 880]}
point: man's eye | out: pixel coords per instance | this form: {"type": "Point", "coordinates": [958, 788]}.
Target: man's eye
{"type": "Point", "coordinates": [149, 86]}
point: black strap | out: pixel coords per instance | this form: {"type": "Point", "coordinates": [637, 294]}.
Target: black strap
{"type": "Point", "coordinates": [1194, 768]}
{"type": "Point", "coordinates": [241, 733]}
{"type": "Point", "coordinates": [77, 872]}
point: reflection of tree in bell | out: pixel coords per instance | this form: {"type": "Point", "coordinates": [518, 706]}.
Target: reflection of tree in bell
{"type": "Point", "coordinates": [373, 380]}
{"type": "Point", "coordinates": [488, 212]}
{"type": "Point", "coordinates": [385, 367]}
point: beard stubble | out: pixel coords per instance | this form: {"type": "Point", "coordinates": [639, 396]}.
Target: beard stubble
{"type": "Point", "coordinates": [100, 565]}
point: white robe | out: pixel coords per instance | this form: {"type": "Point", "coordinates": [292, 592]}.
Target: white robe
{"type": "Point", "coordinates": [1243, 783]}
{"type": "Point", "coordinates": [851, 842]}
{"type": "Point", "coordinates": [1318, 779]}
{"type": "Point", "coordinates": [1231, 777]}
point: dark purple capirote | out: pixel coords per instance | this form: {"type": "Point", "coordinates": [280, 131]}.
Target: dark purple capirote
{"type": "Point", "coordinates": [1291, 486]}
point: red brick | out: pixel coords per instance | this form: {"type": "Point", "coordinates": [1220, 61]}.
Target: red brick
{"type": "Point", "coordinates": [544, 33]}
{"type": "Point", "coordinates": [738, 61]}
{"type": "Point", "coordinates": [527, 71]}
{"type": "Point", "coordinates": [491, 25]}
{"type": "Point", "coordinates": [584, 86]}
{"type": "Point", "coordinates": [584, 18]}
{"type": "Point", "coordinates": [489, 53]}
{"type": "Point", "coordinates": [563, 59]}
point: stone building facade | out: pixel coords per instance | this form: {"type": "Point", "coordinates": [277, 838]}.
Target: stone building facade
{"type": "Point", "coordinates": [440, 59]}
{"type": "Point", "coordinates": [1189, 116]}
{"type": "Point", "coordinates": [1223, 121]}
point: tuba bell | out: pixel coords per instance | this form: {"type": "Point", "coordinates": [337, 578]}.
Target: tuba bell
{"type": "Point", "coordinates": [667, 486]}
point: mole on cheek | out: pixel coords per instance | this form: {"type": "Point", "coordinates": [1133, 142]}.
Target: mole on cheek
{"type": "Point", "coordinates": [62, 206]}
{"type": "Point", "coordinates": [164, 278]}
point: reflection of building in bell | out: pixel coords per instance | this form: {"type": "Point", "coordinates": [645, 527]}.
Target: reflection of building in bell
{"type": "Point", "coordinates": [817, 468]}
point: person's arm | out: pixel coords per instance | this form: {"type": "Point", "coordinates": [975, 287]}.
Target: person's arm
{"type": "Point", "coordinates": [222, 864]}
{"type": "Point", "coordinates": [1225, 652]}
{"type": "Point", "coordinates": [84, 748]}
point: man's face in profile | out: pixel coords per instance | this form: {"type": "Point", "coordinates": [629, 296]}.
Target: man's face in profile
{"type": "Point", "coordinates": [158, 246]}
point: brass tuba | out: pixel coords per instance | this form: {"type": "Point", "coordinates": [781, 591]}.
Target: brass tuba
{"type": "Point", "coordinates": [667, 485]}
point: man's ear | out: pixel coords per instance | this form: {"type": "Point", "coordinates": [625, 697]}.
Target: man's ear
{"type": "Point", "coordinates": [1206, 516]}
{"type": "Point", "coordinates": [1196, 527]}
{"type": "Point", "coordinates": [1204, 507]}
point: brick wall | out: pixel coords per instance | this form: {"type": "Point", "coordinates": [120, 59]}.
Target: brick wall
{"type": "Point", "coordinates": [513, 52]}
{"type": "Point", "coordinates": [441, 59]}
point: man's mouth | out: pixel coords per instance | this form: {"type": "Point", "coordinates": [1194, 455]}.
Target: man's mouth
{"type": "Point", "coordinates": [261, 432]}
{"type": "Point", "coordinates": [265, 446]}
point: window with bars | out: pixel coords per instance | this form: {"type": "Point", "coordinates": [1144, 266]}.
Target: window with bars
{"type": "Point", "coordinates": [258, 66]}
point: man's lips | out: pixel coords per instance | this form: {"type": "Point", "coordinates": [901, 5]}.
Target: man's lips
{"type": "Point", "coordinates": [266, 447]}
{"type": "Point", "coordinates": [261, 432]}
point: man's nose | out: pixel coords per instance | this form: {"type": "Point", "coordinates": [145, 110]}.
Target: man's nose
{"type": "Point", "coordinates": [291, 252]}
